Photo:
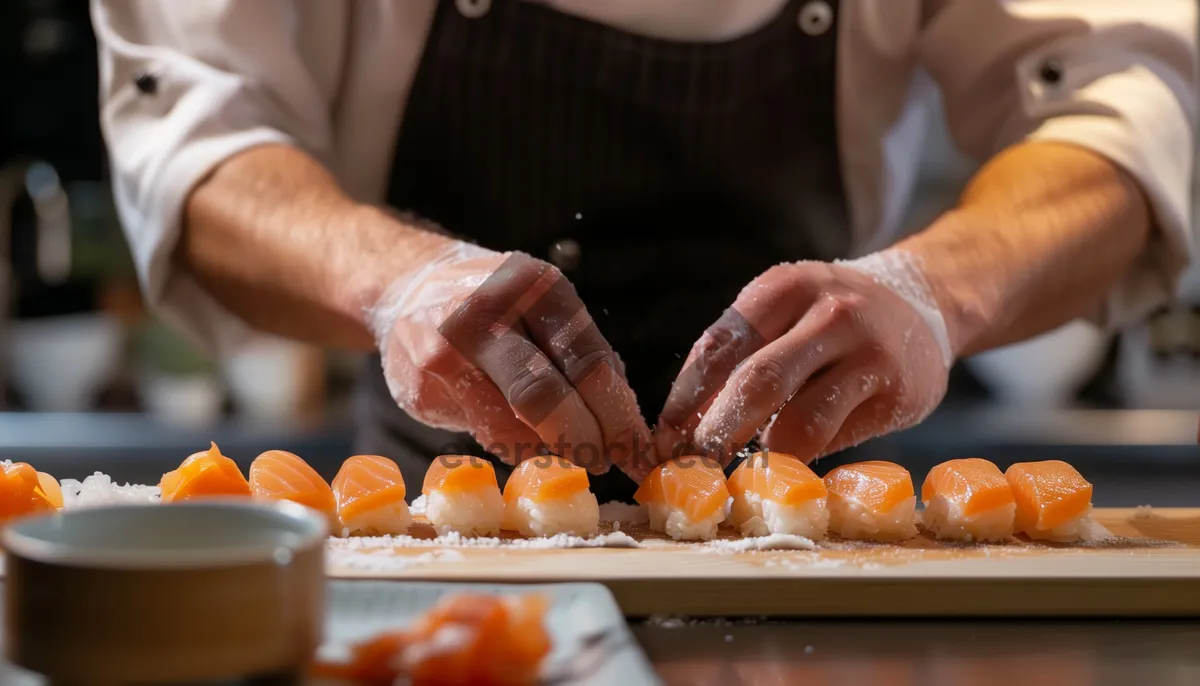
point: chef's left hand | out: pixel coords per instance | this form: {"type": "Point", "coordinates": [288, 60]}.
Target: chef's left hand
{"type": "Point", "coordinates": [817, 356]}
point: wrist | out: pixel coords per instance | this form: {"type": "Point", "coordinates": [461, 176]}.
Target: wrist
{"type": "Point", "coordinates": [385, 247]}
{"type": "Point", "coordinates": [957, 280]}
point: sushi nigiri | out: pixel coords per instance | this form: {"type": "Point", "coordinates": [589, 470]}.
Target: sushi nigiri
{"type": "Point", "coordinates": [461, 495]}
{"type": "Point", "coordinates": [872, 501]}
{"type": "Point", "coordinates": [776, 493]}
{"type": "Point", "coordinates": [204, 474]}
{"type": "Point", "coordinates": [685, 498]}
{"type": "Point", "coordinates": [1054, 501]}
{"type": "Point", "coordinates": [24, 491]}
{"type": "Point", "coordinates": [968, 500]}
{"type": "Point", "coordinates": [465, 639]}
{"type": "Point", "coordinates": [279, 475]}
{"type": "Point", "coordinates": [549, 495]}
{"type": "Point", "coordinates": [369, 490]}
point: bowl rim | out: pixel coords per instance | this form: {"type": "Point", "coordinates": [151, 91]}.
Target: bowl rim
{"type": "Point", "coordinates": [314, 529]}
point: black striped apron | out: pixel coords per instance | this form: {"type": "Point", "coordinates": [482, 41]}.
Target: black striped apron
{"type": "Point", "coordinates": [661, 176]}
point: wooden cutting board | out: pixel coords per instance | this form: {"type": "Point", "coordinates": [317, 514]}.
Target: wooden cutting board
{"type": "Point", "coordinates": [1151, 568]}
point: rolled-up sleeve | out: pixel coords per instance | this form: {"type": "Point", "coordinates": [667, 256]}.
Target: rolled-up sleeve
{"type": "Point", "coordinates": [185, 86]}
{"type": "Point", "coordinates": [1117, 77]}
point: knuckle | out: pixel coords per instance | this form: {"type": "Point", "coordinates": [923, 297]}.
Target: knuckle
{"type": "Point", "coordinates": [530, 268]}
{"type": "Point", "coordinates": [439, 359]}
{"type": "Point", "coordinates": [843, 311]}
{"type": "Point", "coordinates": [778, 274]}
{"type": "Point", "coordinates": [765, 376]}
{"type": "Point", "coordinates": [534, 393]}
{"type": "Point", "coordinates": [481, 306]}
{"type": "Point", "coordinates": [582, 359]}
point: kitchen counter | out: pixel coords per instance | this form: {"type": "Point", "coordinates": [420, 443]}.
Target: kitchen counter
{"type": "Point", "coordinates": [1133, 456]}
{"type": "Point", "coordinates": [933, 653]}
{"type": "Point", "coordinates": [910, 654]}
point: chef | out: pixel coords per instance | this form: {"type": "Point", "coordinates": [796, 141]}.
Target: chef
{"type": "Point", "coordinates": [557, 223]}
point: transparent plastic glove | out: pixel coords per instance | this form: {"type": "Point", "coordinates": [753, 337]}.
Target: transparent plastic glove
{"type": "Point", "coordinates": [499, 345]}
{"type": "Point", "coordinates": [817, 357]}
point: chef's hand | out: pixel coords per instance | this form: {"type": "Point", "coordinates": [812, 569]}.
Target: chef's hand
{"type": "Point", "coordinates": [500, 346]}
{"type": "Point", "coordinates": [817, 356]}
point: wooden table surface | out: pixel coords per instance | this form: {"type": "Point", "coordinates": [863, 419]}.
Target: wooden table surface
{"type": "Point", "coordinates": [1150, 568]}
{"type": "Point", "coordinates": [931, 653]}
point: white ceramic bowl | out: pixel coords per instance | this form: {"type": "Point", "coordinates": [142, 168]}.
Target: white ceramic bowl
{"type": "Point", "coordinates": [57, 364]}
{"type": "Point", "coordinates": [190, 592]}
{"type": "Point", "coordinates": [192, 401]}
{"type": "Point", "coordinates": [1044, 371]}
{"type": "Point", "coordinates": [264, 380]}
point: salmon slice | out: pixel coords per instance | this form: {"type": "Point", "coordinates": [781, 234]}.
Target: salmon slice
{"type": "Point", "coordinates": [973, 482]}
{"type": "Point", "coordinates": [776, 493]}
{"type": "Point", "coordinates": [872, 501]}
{"type": "Point", "coordinates": [279, 475]}
{"type": "Point", "coordinates": [22, 493]}
{"type": "Point", "coordinates": [685, 497]}
{"type": "Point", "coordinates": [366, 482]}
{"type": "Point", "coordinates": [549, 495]}
{"type": "Point", "coordinates": [877, 485]}
{"type": "Point", "coordinates": [546, 478]}
{"type": "Point", "coordinates": [459, 473]}
{"type": "Point", "coordinates": [369, 490]}
{"type": "Point", "coordinates": [202, 475]}
{"type": "Point", "coordinates": [778, 477]}
{"type": "Point", "coordinates": [51, 489]}
{"type": "Point", "coordinates": [465, 639]}
{"type": "Point", "coordinates": [968, 499]}
{"type": "Point", "coordinates": [1052, 499]}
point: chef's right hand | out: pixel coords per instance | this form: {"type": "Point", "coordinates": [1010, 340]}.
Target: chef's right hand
{"type": "Point", "coordinates": [500, 346]}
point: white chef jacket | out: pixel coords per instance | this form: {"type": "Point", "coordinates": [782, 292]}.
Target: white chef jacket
{"type": "Point", "coordinates": [332, 77]}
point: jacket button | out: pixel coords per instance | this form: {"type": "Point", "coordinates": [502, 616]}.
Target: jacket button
{"type": "Point", "coordinates": [146, 83]}
{"type": "Point", "coordinates": [566, 254]}
{"type": "Point", "coordinates": [473, 9]}
{"type": "Point", "coordinates": [815, 17]}
{"type": "Point", "coordinates": [1051, 72]}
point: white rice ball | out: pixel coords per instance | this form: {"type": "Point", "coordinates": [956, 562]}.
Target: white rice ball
{"type": "Point", "coordinates": [578, 515]}
{"type": "Point", "coordinates": [471, 513]}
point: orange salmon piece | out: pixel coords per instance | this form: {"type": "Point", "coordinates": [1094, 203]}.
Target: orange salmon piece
{"type": "Point", "coordinates": [204, 474]}
{"type": "Point", "coordinates": [975, 483]}
{"type": "Point", "coordinates": [22, 493]}
{"type": "Point", "coordinates": [779, 477]}
{"type": "Point", "coordinates": [1048, 494]}
{"type": "Point", "coordinates": [693, 484]}
{"type": "Point", "coordinates": [365, 483]}
{"type": "Point", "coordinates": [280, 475]}
{"type": "Point", "coordinates": [877, 485]}
{"type": "Point", "coordinates": [544, 479]}
{"type": "Point", "coordinates": [459, 474]}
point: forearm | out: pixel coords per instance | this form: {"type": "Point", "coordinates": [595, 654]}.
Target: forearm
{"type": "Point", "coordinates": [1041, 235]}
{"type": "Point", "coordinates": [275, 240]}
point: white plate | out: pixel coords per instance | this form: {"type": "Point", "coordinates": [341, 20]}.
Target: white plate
{"type": "Point", "coordinates": [579, 613]}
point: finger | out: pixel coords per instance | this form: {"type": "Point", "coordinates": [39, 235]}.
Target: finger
{"type": "Point", "coordinates": [493, 423]}
{"type": "Point", "coordinates": [712, 359]}
{"type": "Point", "coordinates": [875, 417]}
{"type": "Point", "coordinates": [559, 322]}
{"type": "Point", "coordinates": [808, 422]}
{"type": "Point", "coordinates": [760, 314]}
{"type": "Point", "coordinates": [487, 331]}
{"type": "Point", "coordinates": [670, 441]}
{"type": "Point", "coordinates": [758, 388]}
{"type": "Point", "coordinates": [541, 396]}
